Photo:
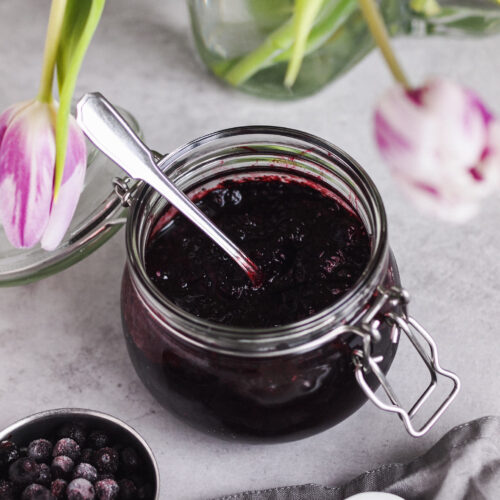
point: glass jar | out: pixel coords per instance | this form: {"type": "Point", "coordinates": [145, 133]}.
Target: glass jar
{"type": "Point", "coordinates": [277, 383]}
{"type": "Point", "coordinates": [247, 43]}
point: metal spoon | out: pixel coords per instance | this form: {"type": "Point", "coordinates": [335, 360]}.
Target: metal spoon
{"type": "Point", "coordinates": [110, 133]}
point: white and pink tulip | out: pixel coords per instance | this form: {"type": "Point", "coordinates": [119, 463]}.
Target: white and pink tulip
{"type": "Point", "coordinates": [28, 211]}
{"type": "Point", "coordinates": [442, 145]}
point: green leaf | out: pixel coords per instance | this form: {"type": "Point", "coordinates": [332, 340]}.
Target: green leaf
{"type": "Point", "coordinates": [80, 22]}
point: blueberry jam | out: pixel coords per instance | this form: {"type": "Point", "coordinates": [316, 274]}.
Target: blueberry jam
{"type": "Point", "coordinates": [310, 247]}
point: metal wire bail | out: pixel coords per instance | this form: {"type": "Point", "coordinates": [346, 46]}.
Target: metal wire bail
{"type": "Point", "coordinates": [365, 363]}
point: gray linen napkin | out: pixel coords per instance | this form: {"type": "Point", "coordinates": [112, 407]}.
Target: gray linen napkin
{"type": "Point", "coordinates": [463, 465]}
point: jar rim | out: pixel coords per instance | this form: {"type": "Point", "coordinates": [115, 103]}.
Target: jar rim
{"type": "Point", "coordinates": [261, 339]}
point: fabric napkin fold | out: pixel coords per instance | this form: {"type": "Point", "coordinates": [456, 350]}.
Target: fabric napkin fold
{"type": "Point", "coordinates": [463, 465]}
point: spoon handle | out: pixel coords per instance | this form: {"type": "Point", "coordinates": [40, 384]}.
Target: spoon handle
{"type": "Point", "coordinates": [110, 133]}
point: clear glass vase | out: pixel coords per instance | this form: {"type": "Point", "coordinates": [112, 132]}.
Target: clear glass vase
{"type": "Point", "coordinates": [248, 43]}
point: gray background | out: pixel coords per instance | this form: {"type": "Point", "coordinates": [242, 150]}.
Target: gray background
{"type": "Point", "coordinates": [60, 339]}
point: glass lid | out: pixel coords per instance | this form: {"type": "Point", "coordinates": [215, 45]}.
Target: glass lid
{"type": "Point", "coordinates": [99, 216]}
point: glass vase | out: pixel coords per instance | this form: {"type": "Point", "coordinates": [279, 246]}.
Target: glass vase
{"type": "Point", "coordinates": [248, 43]}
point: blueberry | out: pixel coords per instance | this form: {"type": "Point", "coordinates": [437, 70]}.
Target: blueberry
{"type": "Point", "coordinates": [97, 440]}
{"type": "Point", "coordinates": [58, 489]}
{"type": "Point", "coordinates": [107, 475]}
{"type": "Point", "coordinates": [62, 467]}
{"type": "Point", "coordinates": [85, 471]}
{"type": "Point", "coordinates": [36, 492]}
{"type": "Point", "coordinates": [6, 490]}
{"type": "Point", "coordinates": [128, 491]}
{"type": "Point", "coordinates": [80, 489]}
{"type": "Point", "coordinates": [74, 431]}
{"type": "Point", "coordinates": [40, 450]}
{"type": "Point", "coordinates": [23, 471]}
{"type": "Point", "coordinates": [9, 453]}
{"type": "Point", "coordinates": [107, 460]}
{"type": "Point", "coordinates": [44, 476]}
{"type": "Point", "coordinates": [107, 489]}
{"type": "Point", "coordinates": [67, 447]}
{"type": "Point", "coordinates": [87, 455]}
{"type": "Point", "coordinates": [129, 460]}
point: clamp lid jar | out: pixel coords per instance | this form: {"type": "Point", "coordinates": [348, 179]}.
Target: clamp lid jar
{"type": "Point", "coordinates": [283, 382]}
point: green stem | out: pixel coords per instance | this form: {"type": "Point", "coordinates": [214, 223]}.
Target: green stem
{"type": "Point", "coordinates": [50, 52]}
{"type": "Point", "coordinates": [68, 88]}
{"type": "Point", "coordinates": [304, 15]}
{"type": "Point", "coordinates": [326, 27]}
{"type": "Point", "coordinates": [279, 44]}
{"type": "Point", "coordinates": [379, 32]}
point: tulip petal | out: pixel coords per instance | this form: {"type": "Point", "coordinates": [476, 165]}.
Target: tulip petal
{"type": "Point", "coordinates": [27, 157]}
{"type": "Point", "coordinates": [9, 114]}
{"type": "Point", "coordinates": [64, 207]}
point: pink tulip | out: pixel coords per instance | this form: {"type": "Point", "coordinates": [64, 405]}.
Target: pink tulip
{"type": "Point", "coordinates": [442, 145]}
{"type": "Point", "coordinates": [28, 212]}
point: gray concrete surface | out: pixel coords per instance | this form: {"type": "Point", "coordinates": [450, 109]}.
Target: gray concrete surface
{"type": "Point", "coordinates": [60, 339]}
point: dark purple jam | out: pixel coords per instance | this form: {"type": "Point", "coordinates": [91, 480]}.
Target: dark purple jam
{"type": "Point", "coordinates": [312, 248]}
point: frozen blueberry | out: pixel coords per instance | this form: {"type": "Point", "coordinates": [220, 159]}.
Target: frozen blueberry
{"type": "Point", "coordinates": [67, 447]}
{"type": "Point", "coordinates": [6, 490]}
{"type": "Point", "coordinates": [58, 489]}
{"type": "Point", "coordinates": [97, 440]}
{"type": "Point", "coordinates": [74, 431]}
{"type": "Point", "coordinates": [62, 467]}
{"type": "Point", "coordinates": [85, 471]}
{"type": "Point", "coordinates": [9, 453]}
{"type": "Point", "coordinates": [107, 489]}
{"type": "Point", "coordinates": [36, 492]}
{"type": "Point", "coordinates": [107, 460]}
{"type": "Point", "coordinates": [100, 477]}
{"type": "Point", "coordinates": [80, 489]}
{"type": "Point", "coordinates": [44, 476]}
{"type": "Point", "coordinates": [40, 450]}
{"type": "Point", "coordinates": [23, 471]}
{"type": "Point", "coordinates": [87, 455]}
{"type": "Point", "coordinates": [128, 491]}
{"type": "Point", "coordinates": [129, 460]}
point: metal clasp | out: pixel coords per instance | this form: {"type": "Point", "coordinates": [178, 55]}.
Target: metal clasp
{"type": "Point", "coordinates": [365, 363]}
{"type": "Point", "coordinates": [124, 190]}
